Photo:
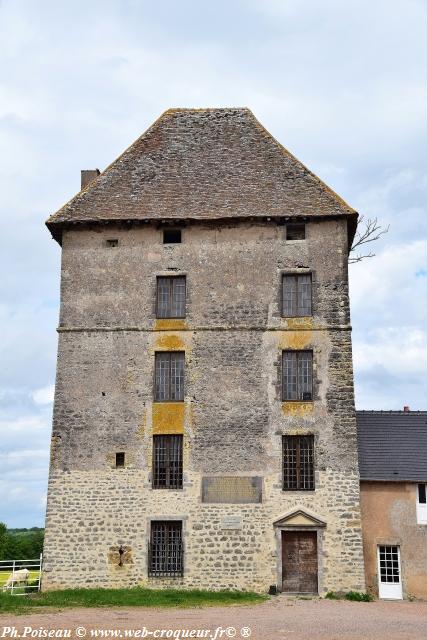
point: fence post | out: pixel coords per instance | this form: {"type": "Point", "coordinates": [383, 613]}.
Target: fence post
{"type": "Point", "coordinates": [13, 573]}
{"type": "Point", "coordinates": [40, 572]}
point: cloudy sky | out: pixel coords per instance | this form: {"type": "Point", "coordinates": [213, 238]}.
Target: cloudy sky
{"type": "Point", "coordinates": [341, 84]}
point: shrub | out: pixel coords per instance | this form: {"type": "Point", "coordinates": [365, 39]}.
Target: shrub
{"type": "Point", "coordinates": [355, 596]}
{"type": "Point", "coordinates": [358, 597]}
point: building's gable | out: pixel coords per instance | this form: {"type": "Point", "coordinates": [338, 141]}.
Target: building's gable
{"type": "Point", "coordinates": [203, 164]}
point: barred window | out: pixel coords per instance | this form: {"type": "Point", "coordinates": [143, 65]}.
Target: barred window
{"type": "Point", "coordinates": [165, 550]}
{"type": "Point", "coordinates": [296, 295]}
{"type": "Point", "coordinates": [171, 297]}
{"type": "Point", "coordinates": [169, 384]}
{"type": "Point", "coordinates": [167, 462]}
{"type": "Point", "coordinates": [298, 463]}
{"type": "Point", "coordinates": [297, 375]}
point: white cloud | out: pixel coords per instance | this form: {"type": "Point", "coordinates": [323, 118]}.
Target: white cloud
{"type": "Point", "coordinates": [44, 395]}
{"type": "Point", "coordinates": [389, 281]}
{"type": "Point", "coordinates": [400, 351]}
{"type": "Point", "coordinates": [24, 424]}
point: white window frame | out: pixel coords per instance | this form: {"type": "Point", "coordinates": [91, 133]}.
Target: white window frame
{"type": "Point", "coordinates": [390, 590]}
{"type": "Point", "coordinates": [421, 506]}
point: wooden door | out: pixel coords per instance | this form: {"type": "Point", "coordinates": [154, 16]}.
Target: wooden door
{"type": "Point", "coordinates": [299, 561]}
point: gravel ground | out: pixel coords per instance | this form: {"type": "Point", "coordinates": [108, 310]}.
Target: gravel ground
{"type": "Point", "coordinates": [278, 618]}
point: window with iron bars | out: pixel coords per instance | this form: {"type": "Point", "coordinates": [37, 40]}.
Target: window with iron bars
{"type": "Point", "coordinates": [169, 376]}
{"type": "Point", "coordinates": [297, 376]}
{"type": "Point", "coordinates": [171, 294]}
{"type": "Point", "coordinates": [298, 463]}
{"type": "Point", "coordinates": [167, 462]}
{"type": "Point", "coordinates": [166, 550]}
{"type": "Point", "coordinates": [296, 295]}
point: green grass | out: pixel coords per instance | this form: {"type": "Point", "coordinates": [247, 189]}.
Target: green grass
{"type": "Point", "coordinates": [135, 597]}
{"type": "Point", "coordinates": [355, 596]}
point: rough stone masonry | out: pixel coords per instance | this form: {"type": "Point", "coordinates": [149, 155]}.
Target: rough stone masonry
{"type": "Point", "coordinates": [233, 191]}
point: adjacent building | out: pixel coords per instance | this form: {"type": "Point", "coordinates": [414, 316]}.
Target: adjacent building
{"type": "Point", "coordinates": [204, 429]}
{"type": "Point", "coordinates": [393, 473]}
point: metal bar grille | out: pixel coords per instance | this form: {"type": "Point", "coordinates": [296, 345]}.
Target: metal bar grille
{"type": "Point", "coordinates": [169, 374]}
{"type": "Point", "coordinates": [167, 462]}
{"type": "Point", "coordinates": [296, 295]}
{"type": "Point", "coordinates": [171, 297]}
{"type": "Point", "coordinates": [165, 550]}
{"type": "Point", "coordinates": [297, 375]}
{"type": "Point", "coordinates": [389, 563]}
{"type": "Point", "coordinates": [298, 463]}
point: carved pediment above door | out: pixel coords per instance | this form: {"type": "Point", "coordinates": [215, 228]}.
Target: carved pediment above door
{"type": "Point", "coordinates": [300, 518]}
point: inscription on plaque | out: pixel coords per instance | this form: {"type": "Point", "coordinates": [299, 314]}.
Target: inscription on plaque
{"type": "Point", "coordinates": [232, 489]}
{"type": "Point", "coordinates": [231, 522]}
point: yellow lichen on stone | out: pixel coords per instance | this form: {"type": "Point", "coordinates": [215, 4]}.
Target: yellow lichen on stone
{"type": "Point", "coordinates": [169, 343]}
{"type": "Point", "coordinates": [168, 417]}
{"type": "Point", "coordinates": [170, 324]}
{"type": "Point", "coordinates": [295, 339]}
{"type": "Point", "coordinates": [299, 409]}
{"type": "Point", "coordinates": [303, 324]}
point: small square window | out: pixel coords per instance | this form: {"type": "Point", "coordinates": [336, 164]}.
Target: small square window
{"type": "Point", "coordinates": [112, 242]}
{"type": "Point", "coordinates": [171, 236]}
{"type": "Point", "coordinates": [120, 459]}
{"type": "Point", "coordinates": [295, 231]}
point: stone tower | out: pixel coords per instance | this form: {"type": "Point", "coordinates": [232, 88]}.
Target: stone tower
{"type": "Point", "coordinates": [204, 430]}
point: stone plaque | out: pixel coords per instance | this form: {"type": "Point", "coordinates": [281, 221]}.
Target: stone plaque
{"type": "Point", "coordinates": [232, 489]}
{"type": "Point", "coordinates": [231, 522]}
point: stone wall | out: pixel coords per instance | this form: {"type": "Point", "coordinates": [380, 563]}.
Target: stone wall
{"type": "Point", "coordinates": [232, 417]}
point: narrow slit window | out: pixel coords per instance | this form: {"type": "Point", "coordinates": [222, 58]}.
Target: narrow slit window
{"type": "Point", "coordinates": [297, 376]}
{"type": "Point", "coordinates": [171, 296]}
{"type": "Point", "coordinates": [422, 494]}
{"type": "Point", "coordinates": [169, 376]}
{"type": "Point", "coordinates": [172, 236]}
{"type": "Point", "coordinates": [167, 462]}
{"type": "Point", "coordinates": [295, 231]}
{"type": "Point", "coordinates": [120, 459]}
{"type": "Point", "coordinates": [112, 242]}
{"type": "Point", "coordinates": [298, 463]}
{"type": "Point", "coordinates": [166, 550]}
{"type": "Point", "coordinates": [296, 295]}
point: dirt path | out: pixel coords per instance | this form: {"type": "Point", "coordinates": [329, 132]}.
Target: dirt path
{"type": "Point", "coordinates": [279, 618]}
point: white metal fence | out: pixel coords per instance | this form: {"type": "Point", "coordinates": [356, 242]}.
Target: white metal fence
{"type": "Point", "coordinates": [20, 577]}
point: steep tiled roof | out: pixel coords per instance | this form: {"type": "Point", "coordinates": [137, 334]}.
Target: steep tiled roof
{"type": "Point", "coordinates": [392, 445]}
{"type": "Point", "coordinates": [203, 164]}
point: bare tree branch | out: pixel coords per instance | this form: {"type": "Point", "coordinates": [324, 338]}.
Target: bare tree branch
{"type": "Point", "coordinates": [367, 231]}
